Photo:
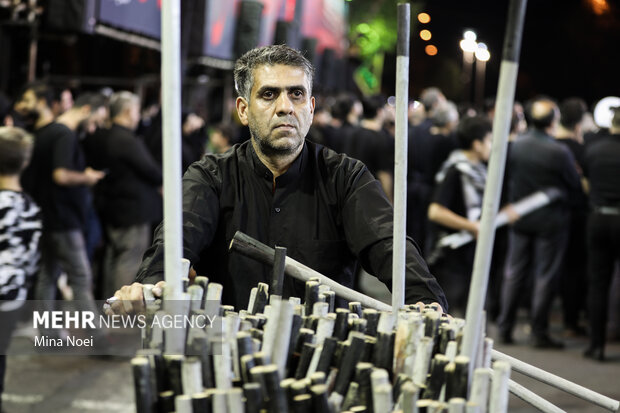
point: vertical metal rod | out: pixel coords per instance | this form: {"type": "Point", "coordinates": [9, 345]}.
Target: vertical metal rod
{"type": "Point", "coordinates": [32, 53]}
{"type": "Point", "coordinates": [501, 127]}
{"type": "Point", "coordinates": [171, 123]}
{"type": "Point", "coordinates": [277, 274]}
{"type": "Point", "coordinates": [400, 159]}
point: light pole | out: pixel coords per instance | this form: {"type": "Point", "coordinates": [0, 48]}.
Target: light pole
{"type": "Point", "coordinates": [468, 45]}
{"type": "Point", "coordinates": [482, 56]}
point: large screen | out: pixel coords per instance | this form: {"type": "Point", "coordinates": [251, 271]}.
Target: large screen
{"type": "Point", "coordinates": [325, 20]}
{"type": "Point", "coordinates": [219, 32]}
{"type": "Point", "coordinates": [322, 19]}
{"type": "Point", "coordinates": [138, 16]}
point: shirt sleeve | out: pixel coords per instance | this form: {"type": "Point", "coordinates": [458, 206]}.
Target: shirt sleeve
{"type": "Point", "coordinates": [141, 161]}
{"type": "Point", "coordinates": [64, 149]}
{"type": "Point", "coordinates": [368, 223]}
{"type": "Point", "coordinates": [447, 191]}
{"type": "Point", "coordinates": [201, 188]}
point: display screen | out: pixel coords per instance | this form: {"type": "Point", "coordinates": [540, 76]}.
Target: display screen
{"type": "Point", "coordinates": [137, 16]}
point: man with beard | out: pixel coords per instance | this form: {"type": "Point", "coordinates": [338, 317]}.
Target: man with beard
{"type": "Point", "coordinates": [324, 207]}
{"type": "Point", "coordinates": [57, 179]}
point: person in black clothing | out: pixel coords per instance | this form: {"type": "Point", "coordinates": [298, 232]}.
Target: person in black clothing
{"type": "Point", "coordinates": [346, 112]}
{"type": "Point", "coordinates": [58, 181]}
{"type": "Point", "coordinates": [324, 207]}
{"type": "Point", "coordinates": [602, 167]}
{"type": "Point", "coordinates": [129, 198]}
{"type": "Point", "coordinates": [429, 146]}
{"type": "Point", "coordinates": [372, 145]}
{"type": "Point", "coordinates": [193, 138]}
{"type": "Point", "coordinates": [500, 246]}
{"type": "Point", "coordinates": [538, 240]}
{"type": "Point", "coordinates": [456, 205]}
{"type": "Point", "coordinates": [573, 282]}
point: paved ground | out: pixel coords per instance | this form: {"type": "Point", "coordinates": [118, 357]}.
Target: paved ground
{"type": "Point", "coordinates": [72, 384]}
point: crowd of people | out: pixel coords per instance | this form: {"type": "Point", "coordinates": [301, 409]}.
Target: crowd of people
{"type": "Point", "coordinates": [564, 249]}
{"type": "Point", "coordinates": [86, 187]}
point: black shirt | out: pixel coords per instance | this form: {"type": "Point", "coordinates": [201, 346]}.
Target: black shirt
{"type": "Point", "coordinates": [538, 162]}
{"type": "Point", "coordinates": [374, 148]}
{"type": "Point", "coordinates": [63, 207]}
{"type": "Point", "coordinates": [578, 204]}
{"type": "Point", "coordinates": [128, 195]}
{"type": "Point", "coordinates": [327, 209]}
{"type": "Point", "coordinates": [602, 167]}
{"type": "Point", "coordinates": [449, 194]}
{"type": "Point", "coordinates": [426, 153]}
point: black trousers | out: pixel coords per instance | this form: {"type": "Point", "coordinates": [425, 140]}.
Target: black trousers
{"type": "Point", "coordinates": [574, 272]}
{"type": "Point", "coordinates": [536, 256]}
{"type": "Point", "coordinates": [603, 253]}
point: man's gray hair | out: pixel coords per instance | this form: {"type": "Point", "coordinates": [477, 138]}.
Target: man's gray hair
{"type": "Point", "coordinates": [268, 55]}
{"type": "Point", "coordinates": [444, 113]}
{"type": "Point", "coordinates": [121, 100]}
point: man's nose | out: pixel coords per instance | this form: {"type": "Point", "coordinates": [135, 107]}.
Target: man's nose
{"type": "Point", "coordinates": [284, 104]}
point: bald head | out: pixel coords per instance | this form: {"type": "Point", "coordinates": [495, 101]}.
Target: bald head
{"type": "Point", "coordinates": [543, 113]}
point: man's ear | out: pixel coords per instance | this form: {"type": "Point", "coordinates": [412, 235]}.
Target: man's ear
{"type": "Point", "coordinates": [242, 110]}
{"type": "Point", "coordinates": [86, 111]}
{"type": "Point", "coordinates": [312, 104]}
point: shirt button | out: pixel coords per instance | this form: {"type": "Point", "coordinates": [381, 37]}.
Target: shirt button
{"type": "Point", "coordinates": [267, 175]}
{"type": "Point", "coordinates": [277, 209]}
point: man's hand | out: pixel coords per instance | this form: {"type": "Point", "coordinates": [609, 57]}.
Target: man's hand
{"type": "Point", "coordinates": [130, 299]}
{"type": "Point", "coordinates": [474, 228]}
{"type": "Point", "coordinates": [93, 176]}
{"type": "Point", "coordinates": [511, 214]}
{"type": "Point", "coordinates": [422, 305]}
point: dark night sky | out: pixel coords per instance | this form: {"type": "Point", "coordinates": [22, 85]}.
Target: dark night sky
{"type": "Point", "coordinates": [567, 49]}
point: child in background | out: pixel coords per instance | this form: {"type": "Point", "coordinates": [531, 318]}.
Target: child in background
{"type": "Point", "coordinates": [20, 230]}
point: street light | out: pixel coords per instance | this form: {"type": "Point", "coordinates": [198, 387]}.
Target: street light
{"type": "Point", "coordinates": [482, 56]}
{"type": "Point", "coordinates": [468, 45]}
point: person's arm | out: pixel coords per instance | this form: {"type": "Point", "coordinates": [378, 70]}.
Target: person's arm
{"type": "Point", "coordinates": [64, 170]}
{"type": "Point", "coordinates": [444, 216]}
{"type": "Point", "coordinates": [446, 198]}
{"type": "Point", "coordinates": [68, 177]}
{"type": "Point", "coordinates": [140, 160]}
{"type": "Point", "coordinates": [367, 218]}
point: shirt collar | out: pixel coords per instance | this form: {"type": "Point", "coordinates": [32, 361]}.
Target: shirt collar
{"type": "Point", "coordinates": [537, 133]}
{"type": "Point", "coordinates": [291, 175]}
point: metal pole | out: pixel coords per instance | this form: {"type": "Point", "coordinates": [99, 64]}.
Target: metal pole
{"type": "Point", "coordinates": [558, 382]}
{"type": "Point", "coordinates": [532, 398]}
{"type": "Point", "coordinates": [252, 248]}
{"type": "Point", "coordinates": [171, 124]}
{"type": "Point", "coordinates": [32, 52]}
{"type": "Point", "coordinates": [258, 251]}
{"type": "Point", "coordinates": [400, 159]}
{"type": "Point", "coordinates": [501, 127]}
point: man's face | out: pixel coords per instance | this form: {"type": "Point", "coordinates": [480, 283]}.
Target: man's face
{"type": "Point", "coordinates": [27, 105]}
{"type": "Point", "coordinates": [483, 148]}
{"type": "Point", "coordinates": [133, 113]}
{"type": "Point", "coordinates": [279, 109]}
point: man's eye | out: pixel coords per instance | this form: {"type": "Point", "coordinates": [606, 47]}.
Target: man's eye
{"type": "Point", "coordinates": [298, 93]}
{"type": "Point", "coordinates": [268, 94]}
